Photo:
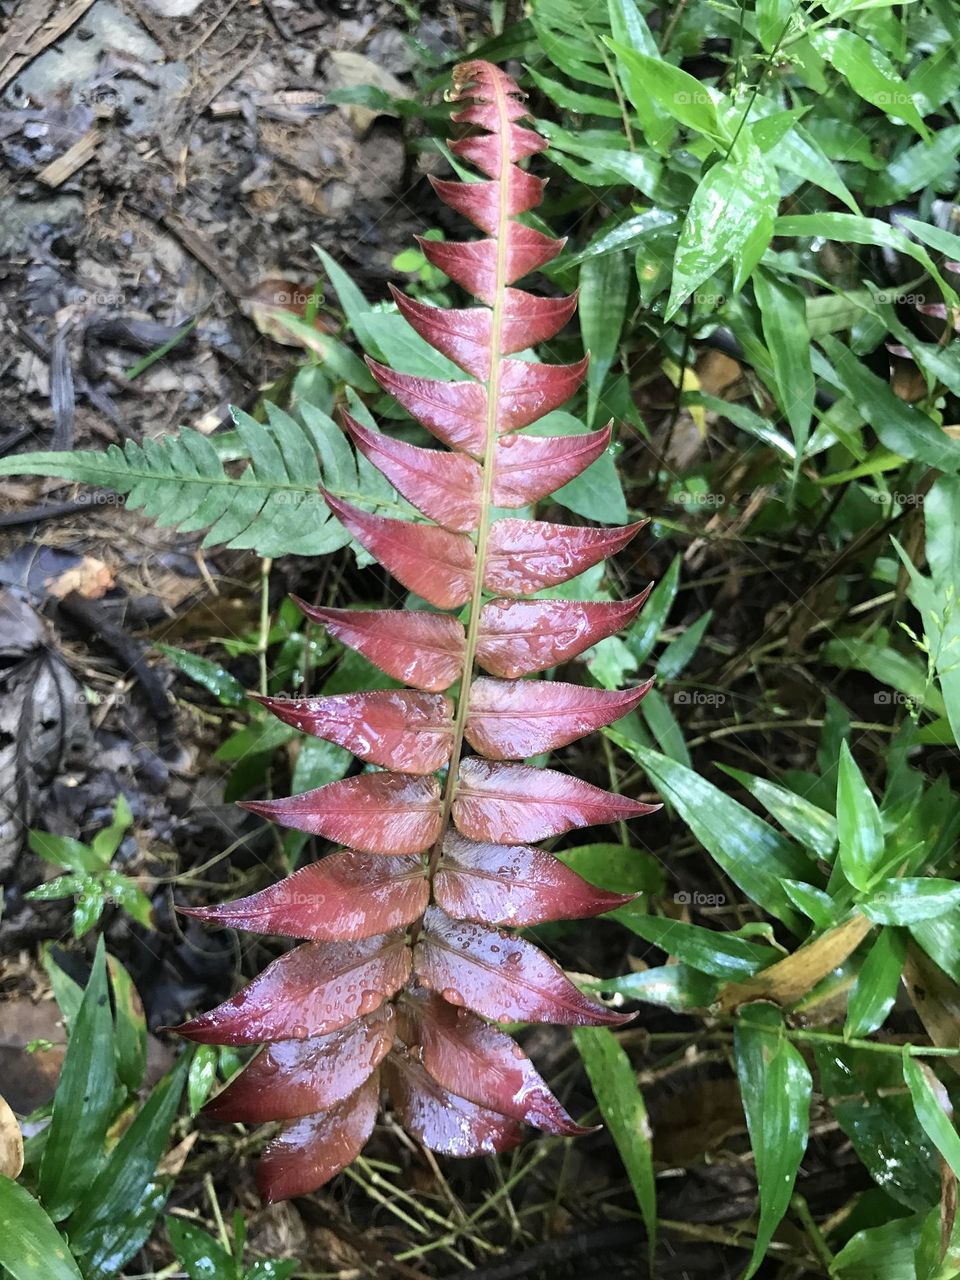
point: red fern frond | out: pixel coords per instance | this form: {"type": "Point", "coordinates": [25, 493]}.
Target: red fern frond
{"type": "Point", "coordinates": [407, 961]}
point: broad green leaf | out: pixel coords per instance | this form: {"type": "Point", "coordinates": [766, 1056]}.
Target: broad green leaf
{"type": "Point", "coordinates": [131, 1027]}
{"type": "Point", "coordinates": [749, 850]}
{"type": "Point", "coordinates": [115, 1194]}
{"type": "Point", "coordinates": [673, 986]}
{"type": "Point", "coordinates": [886, 1252]}
{"type": "Point", "coordinates": [875, 989]}
{"type": "Point", "coordinates": [711, 951]}
{"type": "Point", "coordinates": [910, 899]}
{"type": "Point", "coordinates": [319, 762]}
{"type": "Point", "coordinates": [812, 826]}
{"type": "Point", "coordinates": [865, 1092]}
{"type": "Point", "coordinates": [681, 96]}
{"type": "Point", "coordinates": [82, 1103]}
{"type": "Point", "coordinates": [940, 939]}
{"type": "Point", "coordinates": [736, 197]}
{"type": "Point", "coordinates": [870, 74]}
{"type": "Point", "coordinates": [900, 426]}
{"type": "Point", "coordinates": [198, 1253]}
{"type": "Point", "coordinates": [776, 1087]}
{"type": "Point", "coordinates": [604, 283]}
{"type": "Point", "coordinates": [932, 1105]}
{"type": "Point", "coordinates": [859, 829]}
{"type": "Point", "coordinates": [784, 320]}
{"type": "Point", "coordinates": [621, 1104]}
{"type": "Point", "coordinates": [31, 1248]}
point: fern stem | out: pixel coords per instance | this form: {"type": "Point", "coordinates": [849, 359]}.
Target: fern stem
{"type": "Point", "coordinates": [486, 487]}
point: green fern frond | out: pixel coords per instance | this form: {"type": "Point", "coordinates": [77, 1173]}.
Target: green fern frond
{"type": "Point", "coordinates": [272, 506]}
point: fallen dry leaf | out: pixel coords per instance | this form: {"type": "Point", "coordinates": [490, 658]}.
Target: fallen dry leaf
{"type": "Point", "coordinates": [91, 579]}
{"type": "Point", "coordinates": [936, 998]}
{"type": "Point", "coordinates": [349, 70]}
{"type": "Point", "coordinates": [789, 980]}
{"type": "Point", "coordinates": [11, 1141]}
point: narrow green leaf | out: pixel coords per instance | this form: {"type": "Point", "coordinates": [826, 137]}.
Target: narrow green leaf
{"type": "Point", "coordinates": [870, 74]}
{"type": "Point", "coordinates": [784, 319]}
{"type": "Point", "coordinates": [859, 829]}
{"type": "Point", "coordinates": [848, 228]}
{"type": "Point", "coordinates": [812, 826]}
{"type": "Point", "coordinates": [604, 283]}
{"type": "Point", "coordinates": [664, 726]}
{"type": "Point", "coordinates": [776, 1087]}
{"type": "Point", "coordinates": [672, 986]}
{"type": "Point", "coordinates": [910, 899]}
{"type": "Point", "coordinates": [919, 166]}
{"type": "Point", "coordinates": [678, 653]}
{"type": "Point", "coordinates": [201, 1077]}
{"type": "Point", "coordinates": [680, 95]}
{"type": "Point", "coordinates": [875, 989]}
{"type": "Point", "coordinates": [644, 632]}
{"type": "Point", "coordinates": [131, 1027]}
{"type": "Point", "coordinates": [82, 1103]}
{"type": "Point", "coordinates": [625, 1114]}
{"type": "Point", "coordinates": [816, 904]}
{"type": "Point", "coordinates": [711, 951]}
{"type": "Point", "coordinates": [121, 1184]}
{"type": "Point", "coordinates": [629, 29]}
{"type": "Point", "coordinates": [900, 426]}
{"type": "Point", "coordinates": [750, 851]}
{"type": "Point", "coordinates": [226, 688]}
{"type": "Point", "coordinates": [932, 1105]}
{"type": "Point", "coordinates": [31, 1248]}
{"type": "Point", "coordinates": [587, 104]}
{"type": "Point", "coordinates": [63, 851]}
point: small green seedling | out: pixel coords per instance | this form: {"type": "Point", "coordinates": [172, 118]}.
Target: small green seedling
{"type": "Point", "coordinates": [88, 876]}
